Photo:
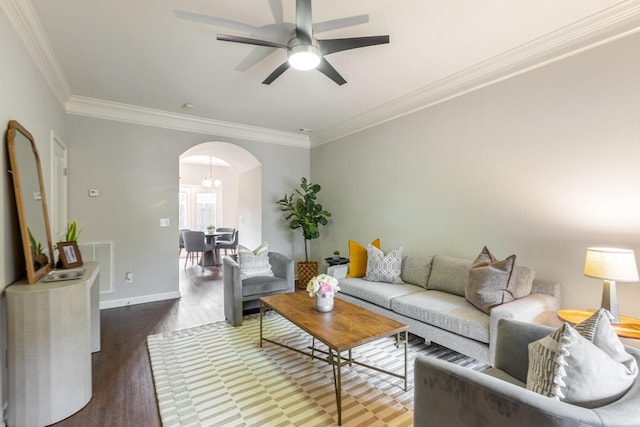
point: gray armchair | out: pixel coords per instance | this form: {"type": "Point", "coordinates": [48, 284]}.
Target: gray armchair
{"type": "Point", "coordinates": [245, 294]}
{"type": "Point", "coordinates": [446, 394]}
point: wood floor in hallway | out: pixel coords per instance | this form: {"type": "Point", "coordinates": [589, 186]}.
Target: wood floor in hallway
{"type": "Point", "coordinates": [123, 392]}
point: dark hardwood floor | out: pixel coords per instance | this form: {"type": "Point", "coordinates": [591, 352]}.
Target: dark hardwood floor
{"type": "Point", "coordinates": [123, 392]}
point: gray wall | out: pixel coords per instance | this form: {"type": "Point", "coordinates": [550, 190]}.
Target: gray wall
{"type": "Point", "coordinates": [25, 97]}
{"type": "Point", "coordinates": [136, 170]}
{"type": "Point", "coordinates": [541, 165]}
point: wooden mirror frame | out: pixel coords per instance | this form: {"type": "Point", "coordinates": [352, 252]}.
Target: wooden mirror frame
{"type": "Point", "coordinates": [35, 268]}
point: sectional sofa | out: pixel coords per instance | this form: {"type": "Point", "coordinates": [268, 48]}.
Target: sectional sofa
{"type": "Point", "coordinates": [431, 301]}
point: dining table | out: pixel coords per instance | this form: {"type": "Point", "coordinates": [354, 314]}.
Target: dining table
{"type": "Point", "coordinates": [212, 258]}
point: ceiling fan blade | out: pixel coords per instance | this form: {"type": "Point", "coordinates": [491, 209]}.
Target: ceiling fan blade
{"type": "Point", "coordinates": [335, 24]}
{"type": "Point", "coordinates": [212, 20]}
{"type": "Point", "coordinates": [304, 25]}
{"type": "Point", "coordinates": [276, 73]}
{"type": "Point", "coordinates": [328, 70]}
{"type": "Point", "coordinates": [337, 45]}
{"type": "Point", "coordinates": [247, 40]}
{"type": "Point", "coordinates": [276, 10]}
{"type": "Point", "coordinates": [254, 57]}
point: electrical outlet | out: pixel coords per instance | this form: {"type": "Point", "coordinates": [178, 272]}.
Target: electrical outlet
{"type": "Point", "coordinates": [165, 222]}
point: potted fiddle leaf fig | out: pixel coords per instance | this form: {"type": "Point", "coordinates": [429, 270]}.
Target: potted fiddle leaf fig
{"type": "Point", "coordinates": [303, 212]}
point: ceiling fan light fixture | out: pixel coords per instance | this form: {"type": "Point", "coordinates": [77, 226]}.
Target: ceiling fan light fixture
{"type": "Point", "coordinates": [304, 57]}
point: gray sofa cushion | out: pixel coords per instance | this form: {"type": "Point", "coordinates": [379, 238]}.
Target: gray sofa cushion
{"type": "Point", "coordinates": [524, 281]}
{"type": "Point", "coordinates": [262, 285]}
{"type": "Point", "coordinates": [378, 293]}
{"type": "Point", "coordinates": [416, 270]}
{"type": "Point", "coordinates": [444, 310]}
{"type": "Point", "coordinates": [449, 274]}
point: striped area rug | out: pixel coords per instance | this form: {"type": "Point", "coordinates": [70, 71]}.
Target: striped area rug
{"type": "Point", "coordinates": [217, 375]}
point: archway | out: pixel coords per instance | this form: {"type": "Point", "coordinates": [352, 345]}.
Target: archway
{"type": "Point", "coordinates": [239, 195]}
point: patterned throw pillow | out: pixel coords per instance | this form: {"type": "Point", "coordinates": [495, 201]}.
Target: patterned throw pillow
{"type": "Point", "coordinates": [491, 282]}
{"type": "Point", "coordinates": [358, 258]}
{"type": "Point", "coordinates": [254, 263]}
{"type": "Point", "coordinates": [383, 268]}
{"type": "Point", "coordinates": [589, 371]}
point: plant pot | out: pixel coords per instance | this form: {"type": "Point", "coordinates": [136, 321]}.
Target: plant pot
{"type": "Point", "coordinates": [306, 271]}
{"type": "Point", "coordinates": [324, 303]}
{"type": "Point", "coordinates": [40, 261]}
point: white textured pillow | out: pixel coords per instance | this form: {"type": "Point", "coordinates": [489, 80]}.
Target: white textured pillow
{"type": "Point", "coordinates": [575, 369]}
{"type": "Point", "coordinates": [384, 268]}
{"type": "Point", "coordinates": [254, 263]}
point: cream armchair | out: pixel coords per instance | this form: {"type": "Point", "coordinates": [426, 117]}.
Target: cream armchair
{"type": "Point", "coordinates": [449, 395]}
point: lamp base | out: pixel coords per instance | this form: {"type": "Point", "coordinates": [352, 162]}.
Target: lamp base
{"type": "Point", "coordinates": [610, 300]}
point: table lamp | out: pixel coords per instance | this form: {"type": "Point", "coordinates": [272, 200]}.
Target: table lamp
{"type": "Point", "coordinates": [611, 265]}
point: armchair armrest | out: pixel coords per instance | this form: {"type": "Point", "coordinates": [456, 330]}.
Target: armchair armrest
{"type": "Point", "coordinates": [282, 266]}
{"type": "Point", "coordinates": [232, 286]}
{"type": "Point", "coordinates": [529, 309]}
{"type": "Point", "coordinates": [446, 394]}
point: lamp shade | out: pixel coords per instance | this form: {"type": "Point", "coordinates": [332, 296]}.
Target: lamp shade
{"type": "Point", "coordinates": [611, 264]}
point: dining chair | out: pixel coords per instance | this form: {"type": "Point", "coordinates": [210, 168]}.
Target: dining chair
{"type": "Point", "coordinates": [227, 237]}
{"type": "Point", "coordinates": [181, 240]}
{"type": "Point", "coordinates": [194, 243]}
{"type": "Point", "coordinates": [228, 245]}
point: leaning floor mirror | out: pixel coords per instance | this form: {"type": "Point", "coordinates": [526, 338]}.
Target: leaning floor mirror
{"type": "Point", "coordinates": [31, 202]}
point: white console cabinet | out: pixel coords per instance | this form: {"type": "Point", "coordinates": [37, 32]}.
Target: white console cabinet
{"type": "Point", "coordinates": [52, 330]}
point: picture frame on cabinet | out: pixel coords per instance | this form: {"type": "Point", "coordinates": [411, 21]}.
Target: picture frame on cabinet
{"type": "Point", "coordinates": [70, 255]}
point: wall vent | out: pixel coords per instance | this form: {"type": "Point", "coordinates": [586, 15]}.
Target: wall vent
{"type": "Point", "coordinates": [102, 252]}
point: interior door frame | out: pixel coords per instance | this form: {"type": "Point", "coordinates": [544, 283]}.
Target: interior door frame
{"type": "Point", "coordinates": [59, 193]}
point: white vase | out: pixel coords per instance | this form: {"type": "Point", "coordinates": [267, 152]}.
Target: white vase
{"type": "Point", "coordinates": [324, 303]}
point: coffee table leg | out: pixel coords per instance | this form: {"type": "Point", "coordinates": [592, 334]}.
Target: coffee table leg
{"type": "Point", "coordinates": [339, 389]}
{"type": "Point", "coordinates": [261, 316]}
{"type": "Point", "coordinates": [406, 339]}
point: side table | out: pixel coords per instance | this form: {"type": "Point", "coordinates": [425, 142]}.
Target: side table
{"type": "Point", "coordinates": [332, 261]}
{"type": "Point", "coordinates": [628, 327]}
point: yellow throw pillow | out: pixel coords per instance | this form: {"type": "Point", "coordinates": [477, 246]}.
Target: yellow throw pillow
{"type": "Point", "coordinates": [358, 258]}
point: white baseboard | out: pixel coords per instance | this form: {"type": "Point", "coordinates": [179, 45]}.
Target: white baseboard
{"type": "Point", "coordinates": [138, 300]}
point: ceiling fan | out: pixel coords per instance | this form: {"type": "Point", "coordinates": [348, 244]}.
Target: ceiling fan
{"type": "Point", "coordinates": [304, 51]}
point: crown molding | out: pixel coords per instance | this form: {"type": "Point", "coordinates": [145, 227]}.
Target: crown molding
{"type": "Point", "coordinates": [27, 25]}
{"type": "Point", "coordinates": [97, 108]}
{"type": "Point", "coordinates": [611, 24]}
{"type": "Point", "coordinates": [614, 23]}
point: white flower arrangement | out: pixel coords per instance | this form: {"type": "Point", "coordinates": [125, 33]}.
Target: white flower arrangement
{"type": "Point", "coordinates": [324, 285]}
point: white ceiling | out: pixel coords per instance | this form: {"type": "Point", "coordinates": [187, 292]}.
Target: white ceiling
{"type": "Point", "coordinates": [143, 56]}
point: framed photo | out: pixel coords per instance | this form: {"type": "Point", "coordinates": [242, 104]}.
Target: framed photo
{"type": "Point", "coordinates": [69, 254]}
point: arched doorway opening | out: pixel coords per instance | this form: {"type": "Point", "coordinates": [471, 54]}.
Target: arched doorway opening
{"type": "Point", "coordinates": [221, 184]}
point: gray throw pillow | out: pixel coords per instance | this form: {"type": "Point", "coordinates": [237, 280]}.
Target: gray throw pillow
{"type": "Point", "coordinates": [383, 268]}
{"type": "Point", "coordinates": [491, 282]}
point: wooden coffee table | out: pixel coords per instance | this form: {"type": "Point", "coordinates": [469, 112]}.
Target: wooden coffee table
{"type": "Point", "coordinates": [341, 330]}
